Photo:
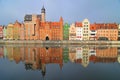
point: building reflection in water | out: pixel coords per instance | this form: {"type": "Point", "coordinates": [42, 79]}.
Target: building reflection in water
{"type": "Point", "coordinates": [36, 58]}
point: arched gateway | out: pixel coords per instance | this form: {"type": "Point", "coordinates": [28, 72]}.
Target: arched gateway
{"type": "Point", "coordinates": [47, 38]}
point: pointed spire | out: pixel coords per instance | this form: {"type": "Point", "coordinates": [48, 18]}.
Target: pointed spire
{"type": "Point", "coordinates": [16, 20]}
{"type": "Point", "coordinates": [61, 19]}
{"type": "Point", "coordinates": [61, 65]}
{"type": "Point", "coordinates": [43, 9]}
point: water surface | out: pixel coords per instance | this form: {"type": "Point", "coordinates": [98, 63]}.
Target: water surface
{"type": "Point", "coordinates": [59, 63]}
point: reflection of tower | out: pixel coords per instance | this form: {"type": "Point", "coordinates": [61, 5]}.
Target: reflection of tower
{"type": "Point", "coordinates": [16, 54]}
{"type": "Point", "coordinates": [119, 58]}
{"type": "Point", "coordinates": [1, 52]}
{"type": "Point", "coordinates": [5, 51]}
{"type": "Point", "coordinates": [47, 50]}
{"type": "Point", "coordinates": [43, 69]}
{"type": "Point", "coordinates": [85, 56]}
{"type": "Point", "coordinates": [61, 65]}
{"type": "Point", "coordinates": [10, 54]}
{"type": "Point", "coordinates": [43, 14]}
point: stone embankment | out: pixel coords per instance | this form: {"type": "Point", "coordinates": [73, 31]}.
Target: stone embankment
{"type": "Point", "coordinates": [64, 42]}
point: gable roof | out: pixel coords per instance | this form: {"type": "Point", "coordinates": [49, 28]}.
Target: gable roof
{"type": "Point", "coordinates": [78, 24]}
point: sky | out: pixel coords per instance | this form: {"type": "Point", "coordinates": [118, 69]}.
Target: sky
{"type": "Point", "coordinates": [71, 10]}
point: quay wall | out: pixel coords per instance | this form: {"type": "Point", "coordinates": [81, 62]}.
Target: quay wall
{"type": "Point", "coordinates": [64, 42]}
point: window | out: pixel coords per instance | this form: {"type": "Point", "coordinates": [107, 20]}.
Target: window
{"type": "Point", "coordinates": [93, 34]}
{"type": "Point", "coordinates": [93, 30]}
{"type": "Point", "coordinates": [34, 29]}
{"type": "Point", "coordinates": [85, 22]}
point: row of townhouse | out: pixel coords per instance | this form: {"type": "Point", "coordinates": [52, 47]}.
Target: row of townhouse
{"type": "Point", "coordinates": [25, 31]}
{"type": "Point", "coordinates": [12, 31]}
{"type": "Point", "coordinates": [76, 31]}
{"type": "Point", "coordinates": [34, 27]}
{"type": "Point", "coordinates": [97, 31]}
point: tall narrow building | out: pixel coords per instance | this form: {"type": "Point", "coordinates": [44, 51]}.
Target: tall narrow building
{"type": "Point", "coordinates": [72, 32]}
{"type": "Point", "coordinates": [43, 14]}
{"type": "Point", "coordinates": [86, 29]}
{"type": "Point", "coordinates": [1, 32]}
{"type": "Point", "coordinates": [66, 31]}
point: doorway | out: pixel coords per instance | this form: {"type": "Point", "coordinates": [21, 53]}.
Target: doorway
{"type": "Point", "coordinates": [47, 38]}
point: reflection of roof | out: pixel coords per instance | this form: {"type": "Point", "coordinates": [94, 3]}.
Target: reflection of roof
{"type": "Point", "coordinates": [118, 58]}
{"type": "Point", "coordinates": [78, 61]}
{"type": "Point", "coordinates": [106, 60]}
{"type": "Point", "coordinates": [1, 54]}
{"type": "Point", "coordinates": [96, 59]}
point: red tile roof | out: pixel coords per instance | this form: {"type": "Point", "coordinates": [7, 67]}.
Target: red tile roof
{"type": "Point", "coordinates": [106, 26]}
{"type": "Point", "coordinates": [92, 27]}
{"type": "Point", "coordinates": [78, 24]}
{"type": "Point", "coordinates": [96, 26]}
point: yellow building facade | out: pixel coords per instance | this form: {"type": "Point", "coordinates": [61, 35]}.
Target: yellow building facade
{"type": "Point", "coordinates": [9, 31]}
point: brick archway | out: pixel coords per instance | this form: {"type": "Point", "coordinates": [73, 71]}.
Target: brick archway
{"type": "Point", "coordinates": [47, 38]}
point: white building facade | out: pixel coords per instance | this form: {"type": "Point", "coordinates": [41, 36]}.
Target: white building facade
{"type": "Point", "coordinates": [93, 32]}
{"type": "Point", "coordinates": [79, 33]}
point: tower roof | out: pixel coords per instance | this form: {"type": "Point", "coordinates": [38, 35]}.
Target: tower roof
{"type": "Point", "coordinates": [61, 19]}
{"type": "Point", "coordinates": [43, 10]}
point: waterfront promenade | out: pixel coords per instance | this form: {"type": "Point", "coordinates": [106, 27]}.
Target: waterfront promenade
{"type": "Point", "coordinates": [64, 42]}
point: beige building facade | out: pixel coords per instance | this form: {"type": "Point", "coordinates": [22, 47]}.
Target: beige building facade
{"type": "Point", "coordinates": [9, 31]}
{"type": "Point", "coordinates": [72, 32]}
{"type": "Point", "coordinates": [86, 29]}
